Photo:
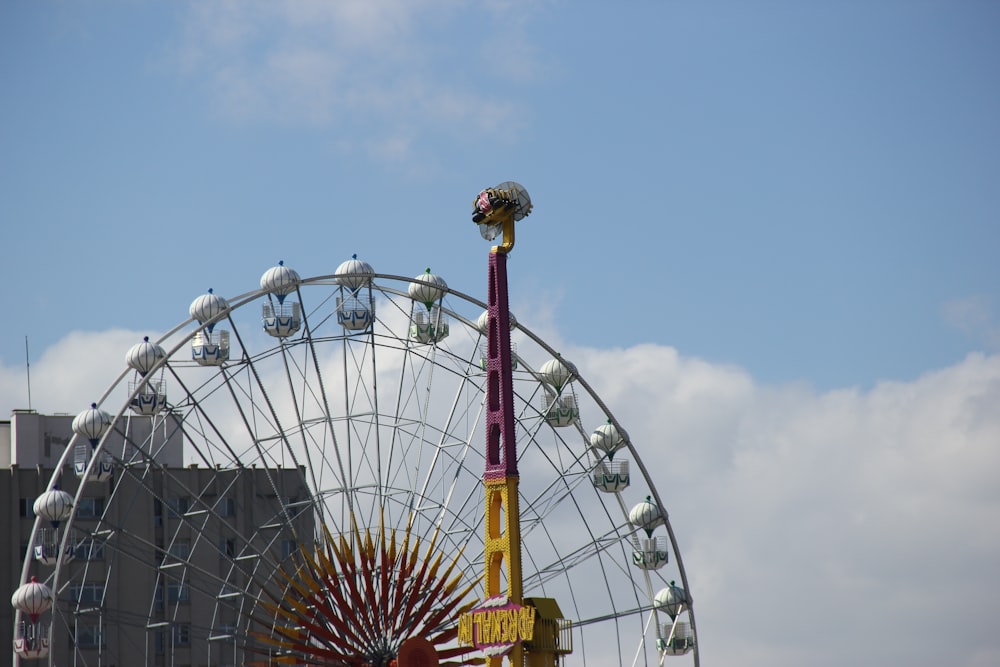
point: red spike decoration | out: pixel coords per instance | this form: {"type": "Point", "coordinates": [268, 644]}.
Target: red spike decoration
{"type": "Point", "coordinates": [354, 600]}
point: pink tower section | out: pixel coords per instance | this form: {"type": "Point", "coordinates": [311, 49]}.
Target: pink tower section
{"type": "Point", "coordinates": [501, 452]}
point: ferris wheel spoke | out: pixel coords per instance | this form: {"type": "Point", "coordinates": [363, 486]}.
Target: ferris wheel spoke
{"type": "Point", "coordinates": [448, 441]}
{"type": "Point", "coordinates": [297, 401]}
{"type": "Point", "coordinates": [193, 405]}
{"type": "Point", "coordinates": [408, 432]}
{"type": "Point", "coordinates": [340, 476]}
{"type": "Point", "coordinates": [405, 396]}
{"type": "Point", "coordinates": [272, 413]}
{"type": "Point", "coordinates": [420, 440]}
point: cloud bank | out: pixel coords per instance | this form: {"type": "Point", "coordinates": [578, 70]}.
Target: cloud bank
{"type": "Point", "coordinates": [819, 528]}
{"type": "Point", "coordinates": [824, 528]}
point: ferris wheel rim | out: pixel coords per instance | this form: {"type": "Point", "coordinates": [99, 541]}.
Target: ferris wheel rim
{"type": "Point", "coordinates": [252, 296]}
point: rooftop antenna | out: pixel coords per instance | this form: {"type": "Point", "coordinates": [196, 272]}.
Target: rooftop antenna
{"type": "Point", "coordinates": [27, 368]}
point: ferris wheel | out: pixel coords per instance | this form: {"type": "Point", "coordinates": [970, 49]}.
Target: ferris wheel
{"type": "Point", "coordinates": [295, 475]}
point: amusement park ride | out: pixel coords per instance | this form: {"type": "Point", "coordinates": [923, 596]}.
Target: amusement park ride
{"type": "Point", "coordinates": [384, 555]}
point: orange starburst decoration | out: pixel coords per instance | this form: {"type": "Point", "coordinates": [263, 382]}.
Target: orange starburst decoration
{"type": "Point", "coordinates": [351, 601]}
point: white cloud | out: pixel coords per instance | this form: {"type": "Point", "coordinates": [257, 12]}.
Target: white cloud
{"type": "Point", "coordinates": [975, 317]}
{"type": "Point", "coordinates": [823, 526]}
{"type": "Point", "coordinates": [819, 528]}
{"type": "Point", "coordinates": [70, 375]}
{"type": "Point", "coordinates": [386, 67]}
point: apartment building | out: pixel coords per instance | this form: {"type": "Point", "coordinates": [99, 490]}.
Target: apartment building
{"type": "Point", "coordinates": [165, 559]}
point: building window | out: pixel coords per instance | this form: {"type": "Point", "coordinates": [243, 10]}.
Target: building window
{"type": "Point", "coordinates": [227, 507]}
{"type": "Point", "coordinates": [27, 508]}
{"type": "Point", "coordinates": [178, 506]}
{"type": "Point", "coordinates": [227, 547]}
{"type": "Point", "coordinates": [89, 550]}
{"type": "Point", "coordinates": [90, 508]}
{"type": "Point", "coordinates": [180, 549]}
{"type": "Point", "coordinates": [89, 636]}
{"type": "Point", "coordinates": [178, 593]}
{"type": "Point", "coordinates": [288, 547]}
{"type": "Point", "coordinates": [87, 595]}
{"type": "Point", "coordinates": [286, 505]}
{"type": "Point", "coordinates": [180, 635]}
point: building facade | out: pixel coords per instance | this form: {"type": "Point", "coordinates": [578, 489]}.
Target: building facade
{"type": "Point", "coordinates": [165, 562]}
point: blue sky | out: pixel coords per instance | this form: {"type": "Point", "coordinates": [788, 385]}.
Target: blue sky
{"type": "Point", "coordinates": [807, 190]}
{"type": "Point", "coordinates": [792, 205]}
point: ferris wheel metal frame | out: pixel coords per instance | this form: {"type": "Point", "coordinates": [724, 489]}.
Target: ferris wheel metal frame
{"type": "Point", "coordinates": [376, 491]}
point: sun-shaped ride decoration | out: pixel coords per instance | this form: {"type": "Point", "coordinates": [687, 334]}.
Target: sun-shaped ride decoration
{"type": "Point", "coordinates": [353, 600]}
